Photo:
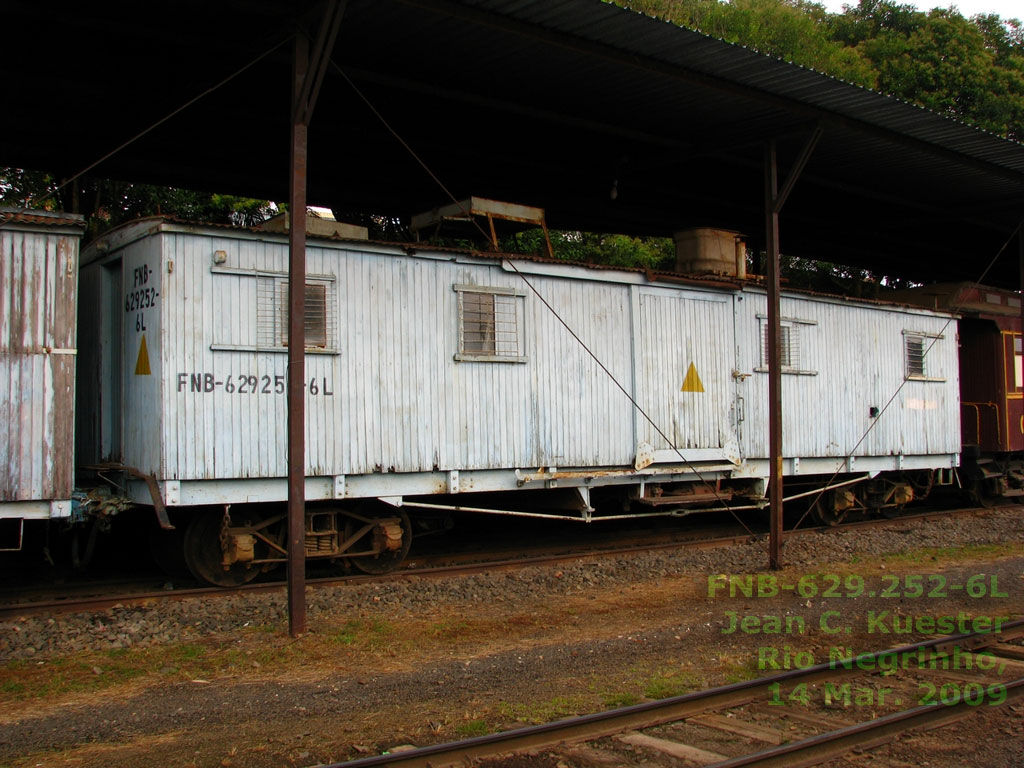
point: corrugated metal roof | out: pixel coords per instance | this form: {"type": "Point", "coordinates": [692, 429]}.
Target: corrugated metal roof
{"type": "Point", "coordinates": [655, 40]}
{"type": "Point", "coordinates": [40, 218]}
{"type": "Point", "coordinates": [541, 102]}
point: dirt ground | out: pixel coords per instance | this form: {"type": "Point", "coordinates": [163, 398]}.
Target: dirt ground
{"type": "Point", "coordinates": [376, 679]}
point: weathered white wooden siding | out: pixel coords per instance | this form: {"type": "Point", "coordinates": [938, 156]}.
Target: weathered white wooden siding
{"type": "Point", "coordinates": [390, 397]}
{"type": "Point", "coordinates": [141, 301]}
{"type": "Point", "coordinates": [678, 329]}
{"type": "Point", "coordinates": [857, 355]}
{"type": "Point", "coordinates": [38, 285]}
{"type": "Point", "coordinates": [387, 394]}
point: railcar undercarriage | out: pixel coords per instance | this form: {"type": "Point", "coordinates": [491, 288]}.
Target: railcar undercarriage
{"type": "Point", "coordinates": [234, 547]}
{"type": "Point", "coordinates": [229, 545]}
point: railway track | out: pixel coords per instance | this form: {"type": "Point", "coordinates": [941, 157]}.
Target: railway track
{"type": "Point", "coordinates": [422, 567]}
{"type": "Point", "coordinates": [814, 703]}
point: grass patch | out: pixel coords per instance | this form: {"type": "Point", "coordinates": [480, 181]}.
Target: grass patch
{"type": "Point", "coordinates": [740, 671]}
{"type": "Point", "coordinates": [91, 671]}
{"type": "Point", "coordinates": [449, 629]}
{"type": "Point", "coordinates": [618, 700]}
{"type": "Point", "coordinates": [544, 711]}
{"type": "Point", "coordinates": [472, 728]}
{"type": "Point", "coordinates": [188, 652]}
{"type": "Point", "coordinates": [11, 686]}
{"type": "Point", "coordinates": [670, 683]}
{"type": "Point", "coordinates": [372, 634]}
{"type": "Point", "coordinates": [929, 555]}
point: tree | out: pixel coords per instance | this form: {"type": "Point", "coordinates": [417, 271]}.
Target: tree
{"type": "Point", "coordinates": [27, 189]}
{"type": "Point", "coordinates": [107, 203]}
{"type": "Point", "coordinates": [970, 69]}
{"type": "Point", "coordinates": [793, 30]}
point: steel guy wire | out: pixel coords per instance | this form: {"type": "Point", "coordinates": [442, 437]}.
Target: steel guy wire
{"type": "Point", "coordinates": [42, 196]}
{"type": "Point", "coordinates": [544, 301]}
{"type": "Point", "coordinates": [1019, 231]}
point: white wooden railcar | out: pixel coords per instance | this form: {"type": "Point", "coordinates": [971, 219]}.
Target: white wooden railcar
{"type": "Point", "coordinates": [433, 375]}
{"type": "Point", "coordinates": [38, 288]}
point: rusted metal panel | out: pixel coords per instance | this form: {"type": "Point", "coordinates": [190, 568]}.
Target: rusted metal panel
{"type": "Point", "coordinates": [38, 295]}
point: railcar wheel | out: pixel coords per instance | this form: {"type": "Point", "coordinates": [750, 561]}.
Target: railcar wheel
{"type": "Point", "coordinates": [385, 561]}
{"type": "Point", "coordinates": [204, 556]}
{"type": "Point", "coordinates": [826, 514]}
{"type": "Point", "coordinates": [977, 494]}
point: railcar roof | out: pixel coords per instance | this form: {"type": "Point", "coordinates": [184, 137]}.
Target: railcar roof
{"type": "Point", "coordinates": [551, 103]}
{"type": "Point", "coordinates": [110, 242]}
{"type": "Point", "coordinates": [37, 219]}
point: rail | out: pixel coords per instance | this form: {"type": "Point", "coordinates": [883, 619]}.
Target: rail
{"type": "Point", "coordinates": [810, 751]}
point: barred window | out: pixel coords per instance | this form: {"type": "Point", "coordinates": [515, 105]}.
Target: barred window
{"type": "Point", "coordinates": [916, 346]}
{"type": "Point", "coordinates": [790, 345]}
{"type": "Point", "coordinates": [915, 356]}
{"type": "Point", "coordinates": [490, 324]}
{"type": "Point", "coordinates": [272, 314]}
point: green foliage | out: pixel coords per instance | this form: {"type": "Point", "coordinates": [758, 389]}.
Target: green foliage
{"type": "Point", "coordinates": [108, 203]}
{"type": "Point", "coordinates": [948, 64]}
{"type": "Point", "coordinates": [970, 69]}
{"type": "Point", "coordinates": [597, 248]}
{"type": "Point", "coordinates": [793, 30]}
{"type": "Point", "coordinates": [18, 187]}
{"type": "Point", "coordinates": [123, 202]}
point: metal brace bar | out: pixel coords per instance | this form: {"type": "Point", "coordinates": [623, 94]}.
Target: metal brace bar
{"type": "Point", "coordinates": [798, 168]}
{"type": "Point", "coordinates": [319, 61]}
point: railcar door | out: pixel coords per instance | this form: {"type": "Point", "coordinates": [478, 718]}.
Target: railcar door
{"type": "Point", "coordinates": [685, 357]}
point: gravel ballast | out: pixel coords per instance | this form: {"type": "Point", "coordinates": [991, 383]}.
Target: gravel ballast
{"type": "Point", "coordinates": [177, 621]}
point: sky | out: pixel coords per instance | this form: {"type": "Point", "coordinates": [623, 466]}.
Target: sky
{"type": "Point", "coordinates": [1008, 9]}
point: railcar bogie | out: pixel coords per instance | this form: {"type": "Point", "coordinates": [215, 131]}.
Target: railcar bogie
{"type": "Point", "coordinates": [233, 545]}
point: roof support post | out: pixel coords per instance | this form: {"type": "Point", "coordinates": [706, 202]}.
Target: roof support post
{"type": "Point", "coordinates": [297, 356]}
{"type": "Point", "coordinates": [774, 199]}
{"type": "Point", "coordinates": [771, 185]}
{"type": "Point", "coordinates": [307, 78]}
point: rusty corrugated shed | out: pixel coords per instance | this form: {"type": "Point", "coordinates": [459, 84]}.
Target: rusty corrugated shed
{"type": "Point", "coordinates": [38, 294]}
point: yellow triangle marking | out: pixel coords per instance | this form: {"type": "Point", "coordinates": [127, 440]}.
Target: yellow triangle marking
{"type": "Point", "coordinates": [142, 364]}
{"type": "Point", "coordinates": [692, 382]}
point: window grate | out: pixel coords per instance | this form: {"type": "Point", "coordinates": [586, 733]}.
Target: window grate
{"type": "Point", "coordinates": [789, 346]}
{"type": "Point", "coordinates": [490, 325]}
{"type": "Point", "coordinates": [915, 346]}
{"type": "Point", "coordinates": [272, 314]}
